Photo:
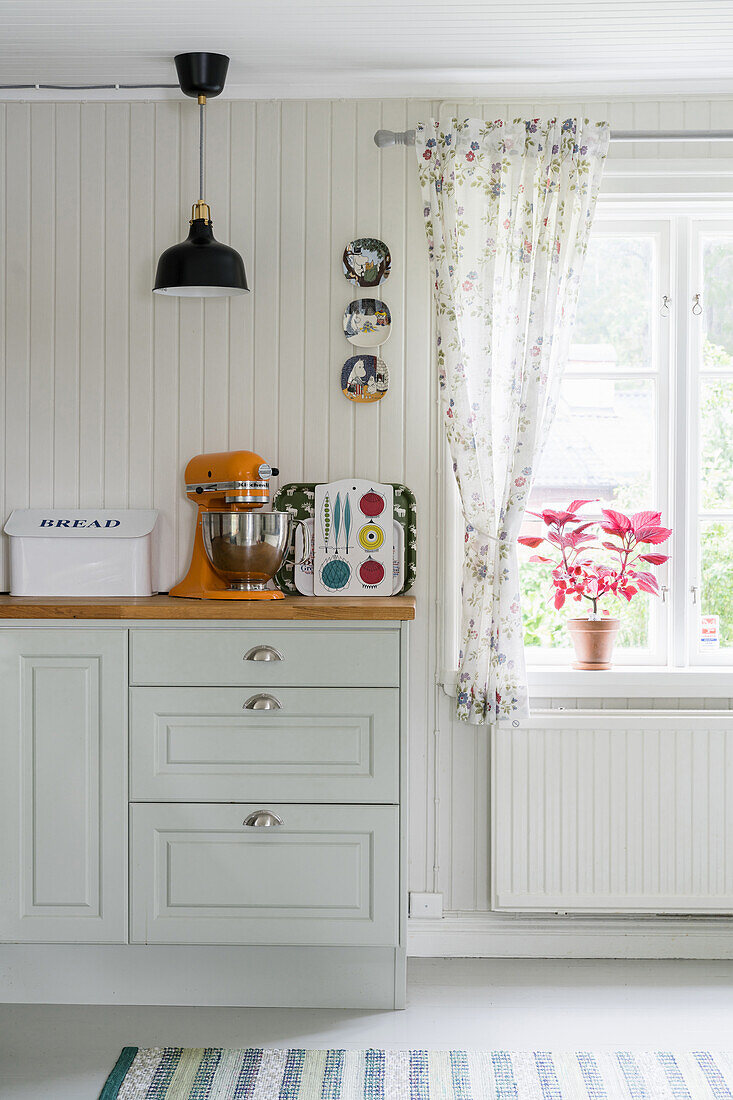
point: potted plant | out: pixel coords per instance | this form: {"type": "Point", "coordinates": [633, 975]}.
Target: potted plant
{"type": "Point", "coordinates": [581, 571]}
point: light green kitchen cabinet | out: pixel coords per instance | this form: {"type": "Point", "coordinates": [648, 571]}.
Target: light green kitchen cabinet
{"type": "Point", "coordinates": [264, 873]}
{"type": "Point", "coordinates": [213, 744]}
{"type": "Point", "coordinates": [63, 786]}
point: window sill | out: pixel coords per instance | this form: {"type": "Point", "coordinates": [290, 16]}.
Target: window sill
{"type": "Point", "coordinates": [641, 681]}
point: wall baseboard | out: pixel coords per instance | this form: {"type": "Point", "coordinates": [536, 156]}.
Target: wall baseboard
{"type": "Point", "coordinates": [489, 935]}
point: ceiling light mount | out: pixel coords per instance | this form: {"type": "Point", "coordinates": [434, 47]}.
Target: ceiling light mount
{"type": "Point", "coordinates": [202, 74]}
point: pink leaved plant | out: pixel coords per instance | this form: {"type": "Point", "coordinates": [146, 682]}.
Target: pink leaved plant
{"type": "Point", "coordinates": [576, 543]}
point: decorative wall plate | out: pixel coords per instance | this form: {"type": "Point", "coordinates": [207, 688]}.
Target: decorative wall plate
{"type": "Point", "coordinates": [364, 378]}
{"type": "Point", "coordinates": [366, 262]}
{"type": "Point", "coordinates": [367, 322]}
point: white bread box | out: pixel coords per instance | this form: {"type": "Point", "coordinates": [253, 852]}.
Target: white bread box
{"type": "Point", "coordinates": [82, 552]}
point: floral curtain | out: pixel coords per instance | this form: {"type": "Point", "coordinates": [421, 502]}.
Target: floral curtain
{"type": "Point", "coordinates": [508, 210]}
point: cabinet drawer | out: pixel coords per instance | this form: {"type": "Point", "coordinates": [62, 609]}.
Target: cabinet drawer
{"type": "Point", "coordinates": [327, 875]}
{"type": "Point", "coordinates": [307, 656]}
{"type": "Point", "coordinates": [322, 745]}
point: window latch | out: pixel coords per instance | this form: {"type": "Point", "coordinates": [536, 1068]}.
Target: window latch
{"type": "Point", "coordinates": [664, 311]}
{"type": "Point", "coordinates": [693, 590]}
{"type": "Point", "coordinates": [664, 589]}
{"type": "Point", "coordinates": [697, 306]}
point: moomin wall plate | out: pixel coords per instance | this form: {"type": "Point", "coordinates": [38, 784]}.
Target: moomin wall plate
{"type": "Point", "coordinates": [364, 378]}
{"type": "Point", "coordinates": [366, 262]}
{"type": "Point", "coordinates": [367, 322]}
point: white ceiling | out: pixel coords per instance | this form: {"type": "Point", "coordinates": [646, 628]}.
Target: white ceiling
{"type": "Point", "coordinates": [380, 47]}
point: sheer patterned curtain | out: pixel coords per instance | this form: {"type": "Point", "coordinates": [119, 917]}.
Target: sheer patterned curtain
{"type": "Point", "coordinates": [508, 211]}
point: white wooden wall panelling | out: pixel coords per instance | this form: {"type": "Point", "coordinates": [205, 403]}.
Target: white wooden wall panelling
{"type": "Point", "coordinates": [91, 305]}
{"type": "Point", "coordinates": [242, 216]}
{"type": "Point", "coordinates": [67, 224]}
{"type": "Point", "coordinates": [317, 365]}
{"type": "Point", "coordinates": [266, 286]}
{"type": "Point", "coordinates": [191, 382]}
{"type": "Point", "coordinates": [16, 242]}
{"type": "Point", "coordinates": [167, 229]}
{"type": "Point", "coordinates": [294, 273]}
{"type": "Point", "coordinates": [43, 302]}
{"type": "Point", "coordinates": [343, 223]}
{"type": "Point", "coordinates": [215, 362]}
{"type": "Point", "coordinates": [117, 306]}
{"type": "Point", "coordinates": [141, 463]}
{"type": "Point", "coordinates": [109, 390]}
{"type": "Point", "coordinates": [3, 279]}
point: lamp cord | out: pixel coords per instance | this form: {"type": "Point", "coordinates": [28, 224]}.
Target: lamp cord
{"type": "Point", "coordinates": [202, 136]}
{"type": "Point", "coordinates": [79, 87]}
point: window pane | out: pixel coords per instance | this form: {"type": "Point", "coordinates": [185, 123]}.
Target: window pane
{"type": "Point", "coordinates": [716, 559]}
{"type": "Point", "coordinates": [716, 445]}
{"type": "Point", "coordinates": [613, 322]}
{"type": "Point", "coordinates": [717, 266]}
{"type": "Point", "coordinates": [601, 445]}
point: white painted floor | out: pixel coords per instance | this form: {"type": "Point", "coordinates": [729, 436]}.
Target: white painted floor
{"type": "Point", "coordinates": [64, 1053]}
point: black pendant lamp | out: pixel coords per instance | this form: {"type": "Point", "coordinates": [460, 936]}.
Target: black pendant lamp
{"type": "Point", "coordinates": [200, 266]}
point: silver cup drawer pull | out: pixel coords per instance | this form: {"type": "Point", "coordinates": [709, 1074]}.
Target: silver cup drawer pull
{"type": "Point", "coordinates": [262, 701]}
{"type": "Point", "coordinates": [263, 653]}
{"type": "Point", "coordinates": [262, 819]}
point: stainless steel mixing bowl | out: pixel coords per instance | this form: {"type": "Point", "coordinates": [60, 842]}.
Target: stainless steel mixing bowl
{"type": "Point", "coordinates": [246, 549]}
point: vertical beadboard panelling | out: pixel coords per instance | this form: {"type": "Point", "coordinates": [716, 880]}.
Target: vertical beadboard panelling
{"type": "Point", "coordinates": [90, 440]}
{"type": "Point", "coordinates": [117, 305]}
{"type": "Point", "coordinates": [17, 308]}
{"type": "Point", "coordinates": [318, 369]}
{"type": "Point", "coordinates": [67, 227]}
{"type": "Point", "coordinates": [3, 298]}
{"type": "Point", "coordinates": [367, 223]}
{"type": "Point", "coordinates": [340, 417]}
{"type": "Point", "coordinates": [266, 286]}
{"type": "Point", "coordinates": [413, 445]}
{"type": "Point", "coordinates": [141, 463]}
{"type": "Point", "coordinates": [541, 773]}
{"type": "Point", "coordinates": [168, 228]}
{"type": "Point", "coordinates": [215, 362]}
{"type": "Point", "coordinates": [242, 222]}
{"type": "Point", "coordinates": [42, 303]}
{"type": "Point", "coordinates": [190, 335]}
{"type": "Point", "coordinates": [294, 274]}
{"type": "Point", "coordinates": [109, 390]}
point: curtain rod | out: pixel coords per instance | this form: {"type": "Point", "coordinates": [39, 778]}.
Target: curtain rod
{"type": "Point", "coordinates": [386, 138]}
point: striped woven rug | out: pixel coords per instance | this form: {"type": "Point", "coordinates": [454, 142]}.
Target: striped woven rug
{"type": "Point", "coordinates": [175, 1073]}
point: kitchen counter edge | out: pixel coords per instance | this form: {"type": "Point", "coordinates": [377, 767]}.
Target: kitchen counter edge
{"type": "Point", "coordinates": [294, 608]}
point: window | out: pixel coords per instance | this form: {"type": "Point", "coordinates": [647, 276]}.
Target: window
{"type": "Point", "coordinates": [645, 420]}
{"type": "Point", "coordinates": [608, 439]}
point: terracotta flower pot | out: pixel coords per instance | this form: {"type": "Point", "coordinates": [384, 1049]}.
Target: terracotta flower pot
{"type": "Point", "coordinates": [593, 640]}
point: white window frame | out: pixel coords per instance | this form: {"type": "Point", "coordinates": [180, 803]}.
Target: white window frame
{"type": "Point", "coordinates": [700, 228]}
{"type": "Point", "coordinates": [679, 225]}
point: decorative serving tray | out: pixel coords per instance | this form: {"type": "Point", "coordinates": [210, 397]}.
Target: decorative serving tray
{"type": "Point", "coordinates": [298, 500]}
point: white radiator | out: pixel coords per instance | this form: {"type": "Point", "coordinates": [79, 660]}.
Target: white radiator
{"type": "Point", "coordinates": [605, 812]}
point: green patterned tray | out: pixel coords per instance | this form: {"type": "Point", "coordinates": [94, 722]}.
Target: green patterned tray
{"type": "Point", "coordinates": [297, 499]}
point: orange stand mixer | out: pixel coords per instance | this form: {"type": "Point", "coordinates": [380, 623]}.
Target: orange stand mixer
{"type": "Point", "coordinates": [238, 547]}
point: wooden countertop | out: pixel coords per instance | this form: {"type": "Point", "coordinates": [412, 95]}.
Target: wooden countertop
{"type": "Point", "coordinates": [387, 608]}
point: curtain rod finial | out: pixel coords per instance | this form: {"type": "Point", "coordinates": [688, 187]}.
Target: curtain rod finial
{"type": "Point", "coordinates": [386, 138]}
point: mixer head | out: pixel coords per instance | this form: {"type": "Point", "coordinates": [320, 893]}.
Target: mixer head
{"type": "Point", "coordinates": [229, 479]}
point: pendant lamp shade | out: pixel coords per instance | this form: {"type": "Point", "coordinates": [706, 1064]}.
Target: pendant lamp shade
{"type": "Point", "coordinates": [201, 266]}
